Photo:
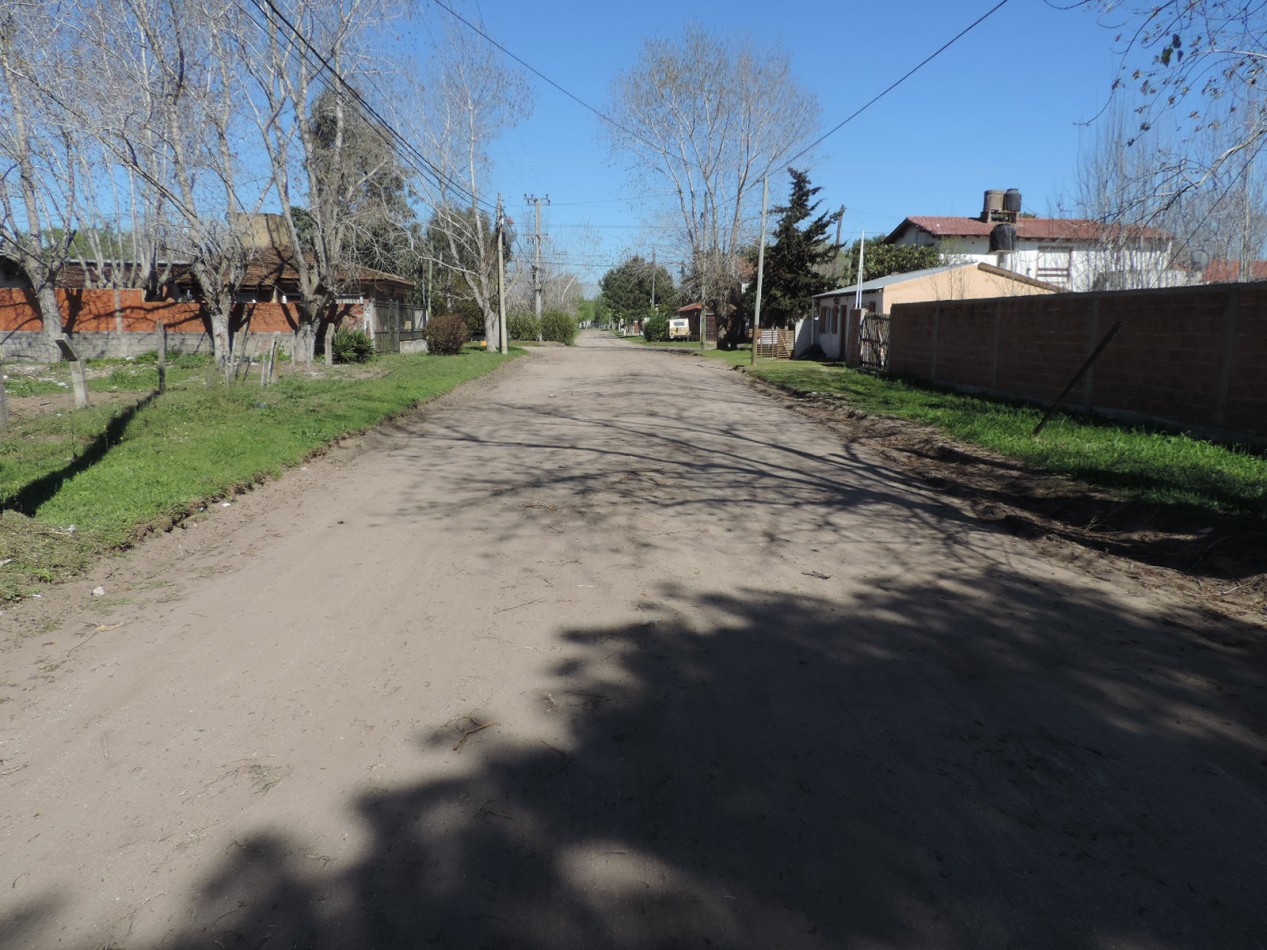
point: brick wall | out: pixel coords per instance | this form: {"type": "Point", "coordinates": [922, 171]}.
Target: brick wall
{"type": "Point", "coordinates": [1195, 356]}
{"type": "Point", "coordinates": [122, 323]}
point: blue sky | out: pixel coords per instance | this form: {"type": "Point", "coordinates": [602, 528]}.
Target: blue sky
{"type": "Point", "coordinates": [1001, 108]}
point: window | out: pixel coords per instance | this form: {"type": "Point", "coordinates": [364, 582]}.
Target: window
{"type": "Point", "coordinates": [1054, 265]}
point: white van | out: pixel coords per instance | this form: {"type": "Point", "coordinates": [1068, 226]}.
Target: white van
{"type": "Point", "coordinates": [679, 329]}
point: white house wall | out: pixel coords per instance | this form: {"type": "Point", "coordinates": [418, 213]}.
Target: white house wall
{"type": "Point", "coordinates": [1090, 266]}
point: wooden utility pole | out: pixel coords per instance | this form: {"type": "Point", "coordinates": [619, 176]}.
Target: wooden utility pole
{"type": "Point", "coordinates": [703, 309]}
{"type": "Point", "coordinates": [653, 282]}
{"type": "Point", "coordinates": [756, 310]}
{"type": "Point", "coordinates": [502, 336]}
{"type": "Point", "coordinates": [536, 265]}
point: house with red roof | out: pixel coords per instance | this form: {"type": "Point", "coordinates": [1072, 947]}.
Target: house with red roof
{"type": "Point", "coordinates": [1071, 253]}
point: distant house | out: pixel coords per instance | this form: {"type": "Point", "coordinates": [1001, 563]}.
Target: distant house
{"type": "Point", "coordinates": [836, 325]}
{"type": "Point", "coordinates": [1072, 253]}
{"type": "Point", "coordinates": [379, 301]}
{"type": "Point", "coordinates": [1229, 272]}
{"type": "Point", "coordinates": [691, 312]}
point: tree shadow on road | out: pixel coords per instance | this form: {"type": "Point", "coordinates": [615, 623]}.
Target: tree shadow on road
{"type": "Point", "coordinates": [998, 764]}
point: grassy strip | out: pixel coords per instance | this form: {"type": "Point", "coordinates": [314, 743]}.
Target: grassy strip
{"type": "Point", "coordinates": [138, 374]}
{"type": "Point", "coordinates": [1158, 467]}
{"type": "Point", "coordinates": [112, 472]}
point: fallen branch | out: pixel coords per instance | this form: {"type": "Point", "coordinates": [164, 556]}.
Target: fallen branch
{"type": "Point", "coordinates": [470, 732]}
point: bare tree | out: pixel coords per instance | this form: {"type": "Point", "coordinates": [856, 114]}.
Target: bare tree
{"type": "Point", "coordinates": [469, 97]}
{"type": "Point", "coordinates": [329, 159]}
{"type": "Point", "coordinates": [1150, 234]}
{"type": "Point", "coordinates": [37, 149]}
{"type": "Point", "coordinates": [1194, 67]}
{"type": "Point", "coordinates": [710, 118]}
{"type": "Point", "coordinates": [560, 288]}
{"type": "Point", "coordinates": [167, 106]}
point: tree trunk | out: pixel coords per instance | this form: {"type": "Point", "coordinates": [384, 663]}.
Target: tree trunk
{"type": "Point", "coordinates": [218, 314]}
{"type": "Point", "coordinates": [51, 316]}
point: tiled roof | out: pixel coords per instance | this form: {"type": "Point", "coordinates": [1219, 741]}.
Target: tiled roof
{"type": "Point", "coordinates": [264, 268]}
{"type": "Point", "coordinates": [269, 267]}
{"type": "Point", "coordinates": [1225, 272]}
{"type": "Point", "coordinates": [1032, 229]}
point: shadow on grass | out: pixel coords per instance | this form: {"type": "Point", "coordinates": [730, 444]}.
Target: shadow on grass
{"type": "Point", "coordinates": [30, 497]}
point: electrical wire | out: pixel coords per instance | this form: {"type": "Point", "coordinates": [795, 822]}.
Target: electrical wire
{"type": "Point", "coordinates": [381, 125]}
{"type": "Point", "coordinates": [544, 78]}
{"type": "Point", "coordinates": [905, 76]}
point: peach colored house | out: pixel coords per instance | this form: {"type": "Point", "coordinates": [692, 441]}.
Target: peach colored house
{"type": "Point", "coordinates": [836, 324]}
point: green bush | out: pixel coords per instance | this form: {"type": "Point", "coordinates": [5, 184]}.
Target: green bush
{"type": "Point", "coordinates": [522, 326]}
{"type": "Point", "coordinates": [352, 346]}
{"type": "Point", "coordinates": [446, 333]}
{"type": "Point", "coordinates": [558, 327]}
{"type": "Point", "coordinates": [470, 311]}
{"type": "Point", "coordinates": [656, 329]}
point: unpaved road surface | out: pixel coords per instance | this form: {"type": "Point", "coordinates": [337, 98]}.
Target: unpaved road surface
{"type": "Point", "coordinates": [610, 650]}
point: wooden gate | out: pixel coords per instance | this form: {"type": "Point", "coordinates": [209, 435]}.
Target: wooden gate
{"type": "Point", "coordinates": [775, 343]}
{"type": "Point", "coordinates": [874, 339]}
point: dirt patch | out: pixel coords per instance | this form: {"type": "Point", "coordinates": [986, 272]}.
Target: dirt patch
{"type": "Point", "coordinates": [1215, 562]}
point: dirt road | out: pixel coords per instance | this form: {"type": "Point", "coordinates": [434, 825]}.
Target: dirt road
{"type": "Point", "coordinates": [613, 651]}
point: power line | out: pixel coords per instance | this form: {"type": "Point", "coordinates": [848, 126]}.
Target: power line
{"type": "Point", "coordinates": [544, 78]}
{"type": "Point", "coordinates": [907, 75]}
{"type": "Point", "coordinates": [381, 125]}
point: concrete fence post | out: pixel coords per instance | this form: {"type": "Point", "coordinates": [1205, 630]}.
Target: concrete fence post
{"type": "Point", "coordinates": [160, 329]}
{"type": "Point", "coordinates": [932, 360]}
{"type": "Point", "coordinates": [1093, 337]}
{"type": "Point", "coordinates": [1231, 318]}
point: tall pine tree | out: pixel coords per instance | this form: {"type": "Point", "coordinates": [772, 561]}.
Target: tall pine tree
{"type": "Point", "coordinates": [795, 264]}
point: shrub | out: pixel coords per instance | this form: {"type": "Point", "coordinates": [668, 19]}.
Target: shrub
{"type": "Point", "coordinates": [352, 346]}
{"type": "Point", "coordinates": [470, 311]}
{"type": "Point", "coordinates": [558, 327]}
{"type": "Point", "coordinates": [522, 326]}
{"type": "Point", "coordinates": [446, 333]}
{"type": "Point", "coordinates": [656, 329]}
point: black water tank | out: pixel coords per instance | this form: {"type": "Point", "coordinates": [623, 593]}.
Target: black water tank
{"type": "Point", "coordinates": [1012, 201]}
{"type": "Point", "coordinates": [1003, 237]}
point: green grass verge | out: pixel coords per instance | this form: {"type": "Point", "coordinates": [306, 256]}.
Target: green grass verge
{"type": "Point", "coordinates": [139, 374]}
{"type": "Point", "coordinates": [1158, 467]}
{"type": "Point", "coordinates": [111, 472]}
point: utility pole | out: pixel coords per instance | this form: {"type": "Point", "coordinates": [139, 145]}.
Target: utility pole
{"type": "Point", "coordinates": [502, 336]}
{"type": "Point", "coordinates": [536, 267]}
{"type": "Point", "coordinates": [756, 310]}
{"type": "Point", "coordinates": [653, 282]}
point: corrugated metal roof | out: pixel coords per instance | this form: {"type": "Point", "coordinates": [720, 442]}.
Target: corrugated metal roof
{"type": "Point", "coordinates": [892, 279]}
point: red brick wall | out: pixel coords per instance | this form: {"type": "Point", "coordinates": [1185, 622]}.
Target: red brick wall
{"type": "Point", "coordinates": [1195, 356]}
{"type": "Point", "coordinates": [94, 311]}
